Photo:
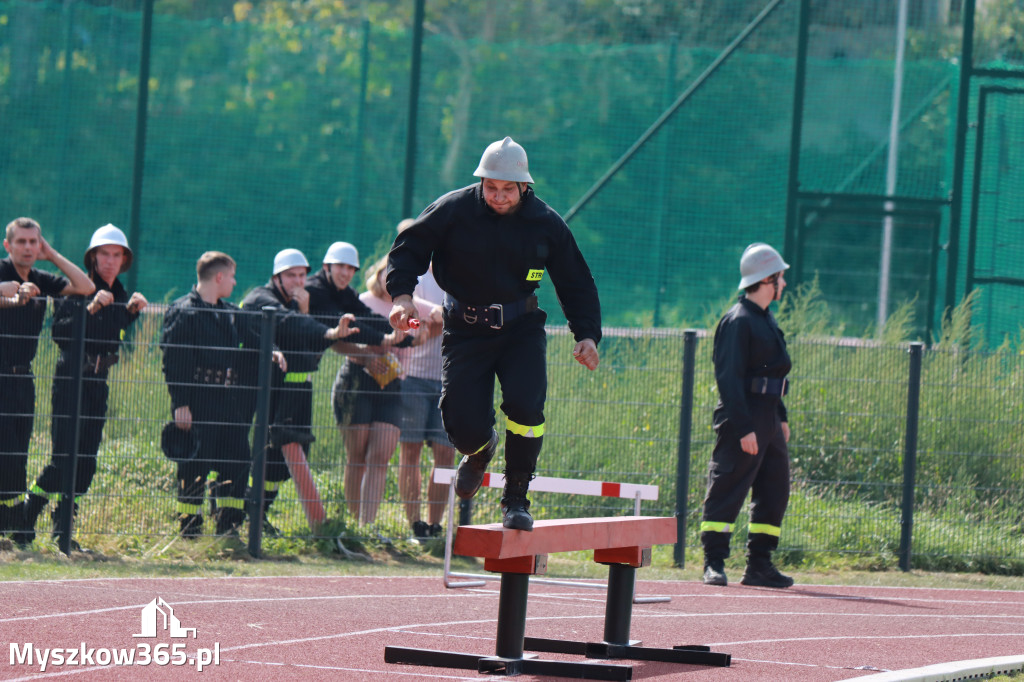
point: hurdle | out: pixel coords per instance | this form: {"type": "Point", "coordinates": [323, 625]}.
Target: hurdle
{"type": "Point", "coordinates": [622, 543]}
{"type": "Point", "coordinates": [547, 484]}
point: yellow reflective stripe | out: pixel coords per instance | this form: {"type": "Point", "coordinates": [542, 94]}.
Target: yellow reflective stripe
{"type": "Point", "coordinates": [230, 503]}
{"type": "Point", "coordinates": [36, 490]}
{"type": "Point", "coordinates": [184, 508]}
{"type": "Point", "coordinates": [297, 377]}
{"type": "Point", "coordinates": [525, 431]}
{"type": "Point", "coordinates": [270, 486]}
{"type": "Point", "coordinates": [715, 527]}
{"type": "Point", "coordinates": [765, 529]}
{"type": "Point", "coordinates": [13, 502]}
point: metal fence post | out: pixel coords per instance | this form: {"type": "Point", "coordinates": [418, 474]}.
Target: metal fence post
{"type": "Point", "coordinates": [261, 432]}
{"type": "Point", "coordinates": [76, 361]}
{"type": "Point", "coordinates": [683, 446]}
{"type": "Point", "coordinates": [910, 453]}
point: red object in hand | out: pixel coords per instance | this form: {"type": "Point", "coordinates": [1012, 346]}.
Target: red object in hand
{"type": "Point", "coordinates": [414, 323]}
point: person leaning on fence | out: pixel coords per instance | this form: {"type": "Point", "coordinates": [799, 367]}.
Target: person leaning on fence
{"type": "Point", "coordinates": [203, 364]}
{"type": "Point", "coordinates": [421, 416]}
{"type": "Point", "coordinates": [109, 314]}
{"type": "Point", "coordinates": [24, 290]}
{"type": "Point", "coordinates": [751, 452]}
{"type": "Point", "coordinates": [490, 244]}
{"type": "Point", "coordinates": [367, 400]}
{"type": "Point", "coordinates": [331, 295]}
{"type": "Point", "coordinates": [302, 339]}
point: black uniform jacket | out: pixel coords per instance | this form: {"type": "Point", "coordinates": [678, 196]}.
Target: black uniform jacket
{"type": "Point", "coordinates": [104, 331]}
{"type": "Point", "coordinates": [481, 257]}
{"type": "Point", "coordinates": [748, 344]}
{"type": "Point", "coordinates": [20, 325]}
{"type": "Point", "coordinates": [201, 342]}
{"type": "Point", "coordinates": [328, 303]}
{"type": "Point", "coordinates": [299, 336]}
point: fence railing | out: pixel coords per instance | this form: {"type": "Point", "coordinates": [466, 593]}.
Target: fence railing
{"type": "Point", "coordinates": [900, 454]}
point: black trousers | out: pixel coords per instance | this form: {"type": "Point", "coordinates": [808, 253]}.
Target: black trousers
{"type": "Point", "coordinates": [291, 407]}
{"type": "Point", "coordinates": [733, 473]}
{"type": "Point", "coordinates": [219, 418]}
{"type": "Point", "coordinates": [95, 394]}
{"type": "Point", "coordinates": [17, 412]}
{"type": "Point", "coordinates": [471, 360]}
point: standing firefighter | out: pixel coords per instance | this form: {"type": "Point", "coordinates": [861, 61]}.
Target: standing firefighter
{"type": "Point", "coordinates": [750, 455]}
{"type": "Point", "coordinates": [490, 245]}
{"type": "Point", "coordinates": [109, 314]}
{"type": "Point", "coordinates": [203, 364]}
{"type": "Point", "coordinates": [302, 339]}
{"type": "Point", "coordinates": [25, 289]}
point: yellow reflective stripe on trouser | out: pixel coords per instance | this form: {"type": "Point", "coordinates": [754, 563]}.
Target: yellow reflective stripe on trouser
{"type": "Point", "coordinates": [268, 485]}
{"type": "Point", "coordinates": [765, 529]}
{"type": "Point", "coordinates": [185, 508]}
{"type": "Point", "coordinates": [230, 503]}
{"type": "Point", "coordinates": [297, 377]}
{"type": "Point", "coordinates": [715, 527]}
{"type": "Point", "coordinates": [14, 501]}
{"type": "Point", "coordinates": [525, 431]}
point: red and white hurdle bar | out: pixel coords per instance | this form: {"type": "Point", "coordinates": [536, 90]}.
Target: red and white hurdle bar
{"type": "Point", "coordinates": [547, 484]}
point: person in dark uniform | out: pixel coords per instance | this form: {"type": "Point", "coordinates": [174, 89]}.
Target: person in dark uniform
{"type": "Point", "coordinates": [491, 244]}
{"type": "Point", "coordinates": [203, 364]}
{"type": "Point", "coordinates": [109, 315]}
{"type": "Point", "coordinates": [24, 290]}
{"type": "Point", "coordinates": [303, 339]}
{"type": "Point", "coordinates": [751, 454]}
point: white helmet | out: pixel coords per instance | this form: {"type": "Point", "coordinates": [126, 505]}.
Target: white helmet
{"type": "Point", "coordinates": [504, 160]}
{"type": "Point", "coordinates": [342, 253]}
{"type": "Point", "coordinates": [289, 258]}
{"type": "Point", "coordinates": [108, 234]}
{"type": "Point", "coordinates": [759, 261]}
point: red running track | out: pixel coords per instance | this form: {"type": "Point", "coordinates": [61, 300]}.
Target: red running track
{"type": "Point", "coordinates": [316, 628]}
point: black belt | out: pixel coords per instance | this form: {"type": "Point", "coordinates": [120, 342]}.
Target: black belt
{"type": "Point", "coordinates": [493, 315]}
{"type": "Point", "coordinates": [769, 386]}
{"type": "Point", "coordinates": [209, 375]}
{"type": "Point", "coordinates": [17, 369]}
{"type": "Point", "coordinates": [98, 364]}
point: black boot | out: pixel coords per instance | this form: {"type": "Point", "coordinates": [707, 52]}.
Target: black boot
{"type": "Point", "coordinates": [55, 516]}
{"type": "Point", "coordinates": [32, 509]}
{"type": "Point", "coordinates": [515, 508]}
{"type": "Point", "coordinates": [714, 572]}
{"type": "Point", "coordinates": [191, 526]}
{"type": "Point", "coordinates": [761, 572]}
{"type": "Point", "coordinates": [228, 520]}
{"type": "Point", "coordinates": [473, 467]}
{"type": "Point", "coordinates": [716, 551]}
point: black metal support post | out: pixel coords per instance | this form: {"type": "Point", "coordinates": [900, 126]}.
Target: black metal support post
{"type": "Point", "coordinates": [262, 431]}
{"type": "Point", "coordinates": [414, 102]}
{"type": "Point", "coordinates": [512, 615]}
{"type": "Point", "coordinates": [683, 446]}
{"type": "Point", "coordinates": [618, 610]}
{"type": "Point", "coordinates": [796, 131]}
{"type": "Point", "coordinates": [76, 360]}
{"type": "Point", "coordinates": [956, 199]}
{"type": "Point", "coordinates": [141, 117]}
{"type": "Point", "coordinates": [910, 454]}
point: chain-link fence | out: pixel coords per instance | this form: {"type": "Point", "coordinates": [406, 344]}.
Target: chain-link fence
{"type": "Point", "coordinates": [958, 506]}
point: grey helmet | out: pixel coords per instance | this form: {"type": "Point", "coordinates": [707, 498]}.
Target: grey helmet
{"type": "Point", "coordinates": [758, 261]}
{"type": "Point", "coordinates": [289, 258]}
{"type": "Point", "coordinates": [342, 253]}
{"type": "Point", "coordinates": [504, 160]}
{"type": "Point", "coordinates": [108, 235]}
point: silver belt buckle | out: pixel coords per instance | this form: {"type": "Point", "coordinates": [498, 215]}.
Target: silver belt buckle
{"type": "Point", "coordinates": [469, 319]}
{"type": "Point", "coordinates": [764, 385]}
{"type": "Point", "coordinates": [501, 315]}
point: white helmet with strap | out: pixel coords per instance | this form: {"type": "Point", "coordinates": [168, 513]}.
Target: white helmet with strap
{"type": "Point", "coordinates": [104, 236]}
{"type": "Point", "coordinates": [504, 160]}
{"type": "Point", "coordinates": [342, 253]}
{"type": "Point", "coordinates": [759, 261]}
{"type": "Point", "coordinates": [289, 258]}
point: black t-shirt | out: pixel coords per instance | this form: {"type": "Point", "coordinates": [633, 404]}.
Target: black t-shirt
{"type": "Point", "coordinates": [20, 325]}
